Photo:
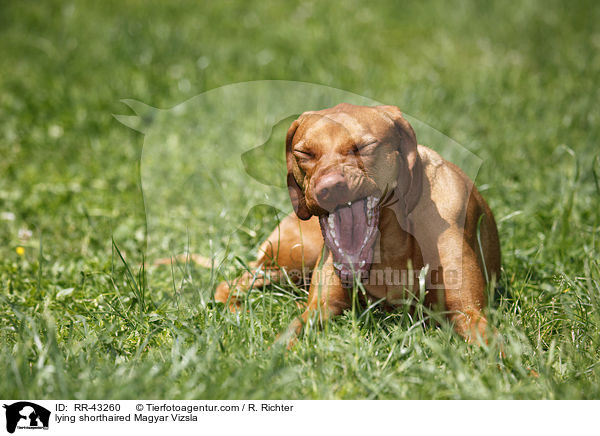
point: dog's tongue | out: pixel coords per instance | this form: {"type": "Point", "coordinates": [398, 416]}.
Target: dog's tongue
{"type": "Point", "coordinates": [350, 232]}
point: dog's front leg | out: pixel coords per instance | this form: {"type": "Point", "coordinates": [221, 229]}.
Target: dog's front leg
{"type": "Point", "coordinates": [326, 298]}
{"type": "Point", "coordinates": [465, 284]}
{"type": "Point", "coordinates": [292, 248]}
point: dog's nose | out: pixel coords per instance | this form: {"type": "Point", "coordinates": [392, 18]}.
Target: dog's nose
{"type": "Point", "coordinates": [331, 190]}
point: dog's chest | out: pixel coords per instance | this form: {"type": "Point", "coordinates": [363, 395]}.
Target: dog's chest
{"type": "Point", "coordinates": [396, 263]}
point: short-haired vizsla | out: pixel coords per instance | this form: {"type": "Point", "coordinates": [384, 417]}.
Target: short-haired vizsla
{"type": "Point", "coordinates": [373, 206]}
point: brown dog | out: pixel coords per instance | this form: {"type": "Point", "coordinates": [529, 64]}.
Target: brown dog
{"type": "Point", "coordinates": [373, 206]}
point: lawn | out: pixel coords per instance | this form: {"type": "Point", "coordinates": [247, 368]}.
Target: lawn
{"type": "Point", "coordinates": [516, 85]}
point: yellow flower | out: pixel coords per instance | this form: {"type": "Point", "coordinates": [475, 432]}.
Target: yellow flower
{"type": "Point", "coordinates": [20, 251]}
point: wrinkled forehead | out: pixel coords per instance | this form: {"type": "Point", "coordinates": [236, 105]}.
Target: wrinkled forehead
{"type": "Point", "coordinates": [345, 128]}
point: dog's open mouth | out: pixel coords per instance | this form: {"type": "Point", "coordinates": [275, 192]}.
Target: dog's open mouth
{"type": "Point", "coordinates": [350, 232]}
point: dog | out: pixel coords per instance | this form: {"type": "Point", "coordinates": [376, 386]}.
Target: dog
{"type": "Point", "coordinates": [372, 207]}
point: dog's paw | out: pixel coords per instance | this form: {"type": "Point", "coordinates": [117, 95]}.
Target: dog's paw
{"type": "Point", "coordinates": [224, 295]}
{"type": "Point", "coordinates": [289, 337]}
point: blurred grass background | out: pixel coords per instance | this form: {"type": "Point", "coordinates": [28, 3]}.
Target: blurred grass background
{"type": "Point", "coordinates": [516, 84]}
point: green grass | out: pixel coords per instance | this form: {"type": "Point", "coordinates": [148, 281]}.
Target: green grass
{"type": "Point", "coordinates": [517, 85]}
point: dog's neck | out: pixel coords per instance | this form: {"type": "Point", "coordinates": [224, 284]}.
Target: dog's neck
{"type": "Point", "coordinates": [396, 238]}
{"type": "Point", "coordinates": [395, 203]}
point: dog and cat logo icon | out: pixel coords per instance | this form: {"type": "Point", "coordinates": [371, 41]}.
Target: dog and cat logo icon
{"type": "Point", "coordinates": [26, 415]}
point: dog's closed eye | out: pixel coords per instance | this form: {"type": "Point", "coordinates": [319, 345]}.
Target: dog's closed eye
{"type": "Point", "coordinates": [303, 154]}
{"type": "Point", "coordinates": [365, 146]}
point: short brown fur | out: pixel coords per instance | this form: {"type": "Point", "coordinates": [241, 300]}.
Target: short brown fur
{"type": "Point", "coordinates": [431, 218]}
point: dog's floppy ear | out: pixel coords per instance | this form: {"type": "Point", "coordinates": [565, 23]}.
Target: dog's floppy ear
{"type": "Point", "coordinates": [296, 193]}
{"type": "Point", "coordinates": [410, 180]}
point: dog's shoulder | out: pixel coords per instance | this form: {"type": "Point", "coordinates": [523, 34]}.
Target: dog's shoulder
{"type": "Point", "coordinates": [444, 183]}
{"type": "Point", "coordinates": [430, 157]}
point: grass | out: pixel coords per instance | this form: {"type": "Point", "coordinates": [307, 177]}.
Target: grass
{"type": "Point", "coordinates": [80, 319]}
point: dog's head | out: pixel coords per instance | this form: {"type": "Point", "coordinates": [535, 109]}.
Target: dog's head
{"type": "Point", "coordinates": [342, 163]}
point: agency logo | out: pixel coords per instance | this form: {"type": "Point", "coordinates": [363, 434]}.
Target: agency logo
{"type": "Point", "coordinates": [26, 415]}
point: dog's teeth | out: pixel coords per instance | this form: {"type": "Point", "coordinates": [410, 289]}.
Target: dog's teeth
{"type": "Point", "coordinates": [331, 221]}
{"type": "Point", "coordinates": [361, 264]}
{"type": "Point", "coordinates": [349, 203]}
{"type": "Point", "coordinates": [372, 202]}
{"type": "Point", "coordinates": [337, 265]}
